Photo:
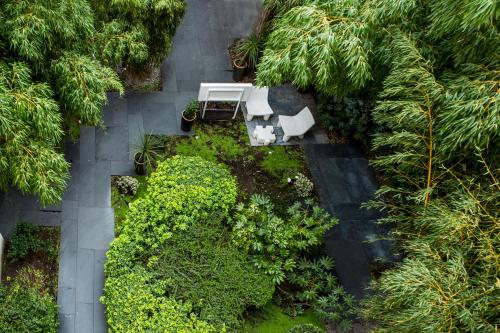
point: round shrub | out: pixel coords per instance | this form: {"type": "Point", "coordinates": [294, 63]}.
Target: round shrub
{"type": "Point", "coordinates": [127, 185]}
{"type": "Point", "coordinates": [181, 192]}
{"type": "Point", "coordinates": [305, 328]}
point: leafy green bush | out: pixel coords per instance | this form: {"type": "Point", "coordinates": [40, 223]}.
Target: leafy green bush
{"type": "Point", "coordinates": [24, 308]}
{"type": "Point", "coordinates": [29, 238]}
{"type": "Point", "coordinates": [349, 116]}
{"type": "Point", "coordinates": [136, 33]}
{"type": "Point", "coordinates": [234, 283]}
{"type": "Point", "coordinates": [311, 284]}
{"type": "Point", "coordinates": [182, 191]}
{"type": "Point", "coordinates": [274, 242]}
{"type": "Point", "coordinates": [282, 162]}
{"type": "Point", "coordinates": [24, 241]}
{"type": "Point", "coordinates": [135, 302]}
{"type": "Point", "coordinates": [305, 328]}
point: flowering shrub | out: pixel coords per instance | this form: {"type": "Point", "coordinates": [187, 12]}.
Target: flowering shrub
{"type": "Point", "coordinates": [127, 185]}
{"type": "Point", "coordinates": [303, 185]}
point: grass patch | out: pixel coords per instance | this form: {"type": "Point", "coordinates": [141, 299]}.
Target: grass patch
{"type": "Point", "coordinates": [272, 319]}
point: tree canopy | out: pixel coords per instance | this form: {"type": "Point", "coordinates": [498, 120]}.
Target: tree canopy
{"type": "Point", "coordinates": [54, 76]}
{"type": "Point", "coordinates": [433, 66]}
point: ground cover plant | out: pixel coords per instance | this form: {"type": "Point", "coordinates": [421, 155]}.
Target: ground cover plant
{"type": "Point", "coordinates": [273, 319]}
{"type": "Point", "coordinates": [29, 281]}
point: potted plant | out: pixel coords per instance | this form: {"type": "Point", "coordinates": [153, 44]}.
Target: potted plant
{"type": "Point", "coordinates": [189, 115]}
{"type": "Point", "coordinates": [146, 152]}
{"type": "Point", "coordinates": [246, 53]}
{"type": "Point", "coordinates": [239, 67]}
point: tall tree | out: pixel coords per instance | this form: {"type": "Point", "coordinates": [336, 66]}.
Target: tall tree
{"type": "Point", "coordinates": [50, 83]}
{"type": "Point", "coordinates": [435, 67]}
{"type": "Point", "coordinates": [136, 33]}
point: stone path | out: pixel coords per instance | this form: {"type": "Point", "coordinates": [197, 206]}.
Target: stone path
{"type": "Point", "coordinates": [344, 181]}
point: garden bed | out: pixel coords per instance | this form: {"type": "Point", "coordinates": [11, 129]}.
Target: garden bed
{"type": "Point", "coordinates": [39, 251]}
{"type": "Point", "coordinates": [263, 170]}
{"type": "Point", "coordinates": [148, 80]}
{"type": "Point", "coordinates": [28, 291]}
{"type": "Point", "coordinates": [259, 237]}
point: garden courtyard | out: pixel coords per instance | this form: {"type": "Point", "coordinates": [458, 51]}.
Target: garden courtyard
{"type": "Point", "coordinates": [86, 216]}
{"type": "Point", "coordinates": [222, 226]}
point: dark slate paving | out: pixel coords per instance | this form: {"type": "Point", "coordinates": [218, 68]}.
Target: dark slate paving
{"type": "Point", "coordinates": [199, 53]}
{"type": "Point", "coordinates": [344, 181]}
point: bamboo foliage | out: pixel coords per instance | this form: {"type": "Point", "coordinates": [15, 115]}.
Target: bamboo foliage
{"type": "Point", "coordinates": [136, 33]}
{"type": "Point", "coordinates": [51, 82]}
{"type": "Point", "coordinates": [320, 44]}
{"type": "Point", "coordinates": [434, 66]}
{"type": "Point", "coordinates": [30, 131]}
{"type": "Point", "coordinates": [82, 84]}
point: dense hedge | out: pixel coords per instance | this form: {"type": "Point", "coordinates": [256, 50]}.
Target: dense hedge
{"type": "Point", "coordinates": [139, 296]}
{"type": "Point", "coordinates": [202, 266]}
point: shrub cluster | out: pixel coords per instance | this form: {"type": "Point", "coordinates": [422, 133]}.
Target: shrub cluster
{"type": "Point", "coordinates": [24, 241]}
{"type": "Point", "coordinates": [311, 284]}
{"type": "Point", "coordinates": [273, 242]}
{"type": "Point", "coordinates": [170, 266]}
{"type": "Point", "coordinates": [349, 116]}
{"type": "Point", "coordinates": [26, 306]}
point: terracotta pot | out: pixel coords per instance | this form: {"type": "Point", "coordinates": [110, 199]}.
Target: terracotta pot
{"type": "Point", "coordinates": [238, 70]}
{"type": "Point", "coordinates": [139, 166]}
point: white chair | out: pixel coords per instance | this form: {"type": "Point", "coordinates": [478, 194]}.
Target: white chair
{"type": "Point", "coordinates": [296, 125]}
{"type": "Point", "coordinates": [257, 104]}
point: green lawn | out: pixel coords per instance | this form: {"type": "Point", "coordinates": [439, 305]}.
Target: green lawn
{"type": "Point", "coordinates": [274, 320]}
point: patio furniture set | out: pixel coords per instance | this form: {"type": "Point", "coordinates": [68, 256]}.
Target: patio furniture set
{"type": "Point", "coordinates": [258, 105]}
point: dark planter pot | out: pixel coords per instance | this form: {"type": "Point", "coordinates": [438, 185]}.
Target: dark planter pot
{"type": "Point", "coordinates": [139, 166]}
{"type": "Point", "coordinates": [238, 71]}
{"type": "Point", "coordinates": [187, 124]}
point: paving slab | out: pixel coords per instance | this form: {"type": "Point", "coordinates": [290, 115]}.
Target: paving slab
{"type": "Point", "coordinates": [95, 228]}
{"type": "Point", "coordinates": [85, 276]}
{"type": "Point", "coordinates": [112, 143]}
{"type": "Point", "coordinates": [84, 319]}
{"type": "Point", "coordinates": [344, 181]}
